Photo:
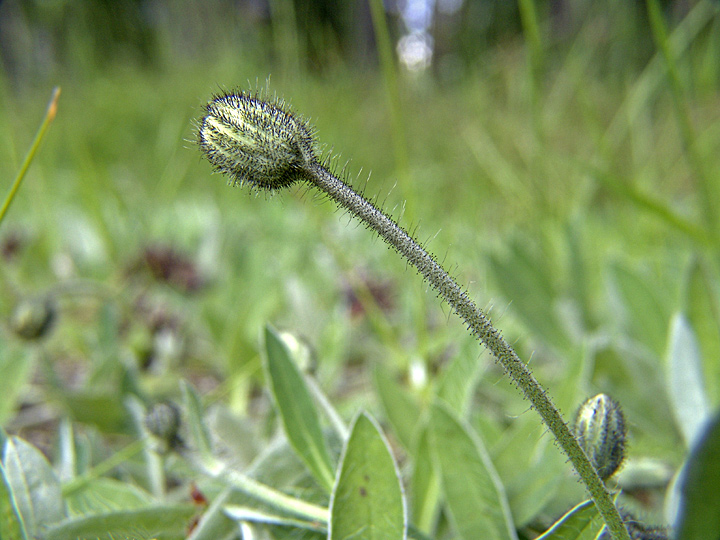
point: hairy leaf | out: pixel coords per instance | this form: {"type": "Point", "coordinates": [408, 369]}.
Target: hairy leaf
{"type": "Point", "coordinates": [368, 501]}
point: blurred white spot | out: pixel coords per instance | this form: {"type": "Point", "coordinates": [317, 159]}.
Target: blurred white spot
{"type": "Point", "coordinates": [415, 51]}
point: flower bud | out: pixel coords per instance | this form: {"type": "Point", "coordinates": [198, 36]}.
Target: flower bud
{"type": "Point", "coordinates": [163, 421]}
{"type": "Point", "coordinates": [255, 142]}
{"type": "Point", "coordinates": [32, 318]}
{"type": "Point", "coordinates": [600, 430]}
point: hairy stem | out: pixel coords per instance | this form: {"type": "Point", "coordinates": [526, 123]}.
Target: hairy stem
{"type": "Point", "coordinates": [479, 325]}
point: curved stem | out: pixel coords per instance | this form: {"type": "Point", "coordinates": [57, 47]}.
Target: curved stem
{"type": "Point", "coordinates": [479, 325]}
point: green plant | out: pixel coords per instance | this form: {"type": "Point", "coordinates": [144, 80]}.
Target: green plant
{"type": "Point", "coordinates": [47, 120]}
{"type": "Point", "coordinates": [263, 145]}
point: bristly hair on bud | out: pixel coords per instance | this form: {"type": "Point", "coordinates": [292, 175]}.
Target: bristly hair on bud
{"type": "Point", "coordinates": [601, 432]}
{"type": "Point", "coordinates": [256, 142]}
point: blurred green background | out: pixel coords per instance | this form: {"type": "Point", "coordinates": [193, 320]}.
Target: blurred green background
{"type": "Point", "coordinates": [562, 158]}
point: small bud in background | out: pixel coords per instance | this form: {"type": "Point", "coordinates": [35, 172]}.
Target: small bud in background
{"type": "Point", "coordinates": [32, 318]}
{"type": "Point", "coordinates": [600, 430]}
{"type": "Point", "coordinates": [163, 421]}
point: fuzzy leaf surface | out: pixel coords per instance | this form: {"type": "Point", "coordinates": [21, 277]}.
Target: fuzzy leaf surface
{"type": "Point", "coordinates": [102, 495]}
{"type": "Point", "coordinates": [475, 497]}
{"type": "Point", "coordinates": [401, 410]}
{"type": "Point", "coordinates": [34, 487]}
{"type": "Point", "coordinates": [368, 501]}
{"type": "Point", "coordinates": [161, 522]}
{"type": "Point", "coordinates": [685, 379]}
{"type": "Point", "coordinates": [297, 410]}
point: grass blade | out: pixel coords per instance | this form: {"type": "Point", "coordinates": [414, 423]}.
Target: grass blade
{"type": "Point", "coordinates": [49, 116]}
{"type": "Point", "coordinates": [368, 501]}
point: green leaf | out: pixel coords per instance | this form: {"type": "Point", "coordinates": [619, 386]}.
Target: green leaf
{"type": "Point", "coordinates": [458, 382]}
{"type": "Point", "coordinates": [401, 409]}
{"type": "Point", "coordinates": [159, 522]}
{"type": "Point", "coordinates": [197, 427]}
{"type": "Point", "coordinates": [424, 507]}
{"type": "Point", "coordinates": [685, 379]}
{"type": "Point", "coordinates": [644, 311]}
{"type": "Point", "coordinates": [699, 513]}
{"type": "Point", "coordinates": [297, 411]}
{"type": "Point", "coordinates": [473, 491]}
{"type": "Point", "coordinates": [583, 522]}
{"type": "Point", "coordinates": [578, 275]}
{"type": "Point", "coordinates": [12, 526]}
{"type": "Point", "coordinates": [368, 501]}
{"type": "Point", "coordinates": [703, 312]}
{"type": "Point", "coordinates": [524, 279]}
{"type": "Point", "coordinates": [16, 366]}
{"type": "Point", "coordinates": [99, 407]}
{"type": "Point", "coordinates": [103, 495]}
{"type": "Point", "coordinates": [33, 485]}
{"type": "Point", "coordinates": [528, 493]}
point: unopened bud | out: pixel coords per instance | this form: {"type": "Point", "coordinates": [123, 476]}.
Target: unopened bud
{"type": "Point", "coordinates": [163, 421]}
{"type": "Point", "coordinates": [255, 141]}
{"type": "Point", "coordinates": [600, 430]}
{"type": "Point", "coordinates": [32, 318]}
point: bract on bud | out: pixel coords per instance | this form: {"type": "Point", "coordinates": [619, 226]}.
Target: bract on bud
{"type": "Point", "coordinates": [600, 430]}
{"type": "Point", "coordinates": [255, 141]}
{"type": "Point", "coordinates": [32, 318]}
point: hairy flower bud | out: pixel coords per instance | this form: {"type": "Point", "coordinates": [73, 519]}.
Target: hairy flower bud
{"type": "Point", "coordinates": [600, 430]}
{"type": "Point", "coordinates": [163, 421]}
{"type": "Point", "coordinates": [255, 141]}
{"type": "Point", "coordinates": [33, 318]}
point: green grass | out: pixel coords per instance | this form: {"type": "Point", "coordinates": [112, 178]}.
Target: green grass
{"type": "Point", "coordinates": [577, 199]}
